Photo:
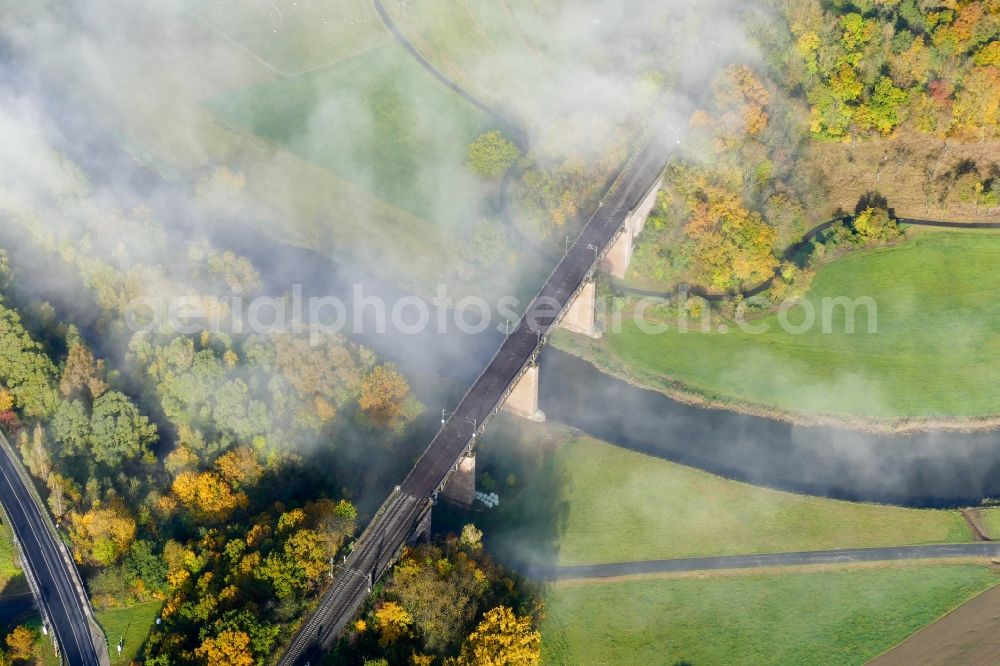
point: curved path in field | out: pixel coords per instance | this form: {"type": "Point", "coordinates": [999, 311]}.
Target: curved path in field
{"type": "Point", "coordinates": [788, 255]}
{"type": "Point", "coordinates": [518, 135]}
{"type": "Point", "coordinates": [802, 558]}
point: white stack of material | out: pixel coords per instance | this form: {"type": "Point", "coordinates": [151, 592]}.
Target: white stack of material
{"type": "Point", "coordinates": [491, 500]}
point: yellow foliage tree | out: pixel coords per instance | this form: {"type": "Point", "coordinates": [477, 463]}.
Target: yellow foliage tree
{"type": "Point", "coordinates": [229, 648]}
{"type": "Point", "coordinates": [393, 622]}
{"type": "Point", "coordinates": [730, 246]}
{"type": "Point", "coordinates": [6, 400]}
{"type": "Point", "coordinates": [383, 392]}
{"type": "Point", "coordinates": [977, 106]}
{"type": "Point", "coordinates": [240, 467]}
{"type": "Point", "coordinates": [502, 639]}
{"type": "Point", "coordinates": [101, 535]}
{"type": "Point", "coordinates": [208, 496]}
{"type": "Point", "coordinates": [21, 643]}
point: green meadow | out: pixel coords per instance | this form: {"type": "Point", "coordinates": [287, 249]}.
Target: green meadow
{"type": "Point", "coordinates": [932, 355]}
{"type": "Point", "coordinates": [796, 618]}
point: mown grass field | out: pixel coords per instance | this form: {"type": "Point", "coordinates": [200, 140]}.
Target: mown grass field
{"type": "Point", "coordinates": [477, 43]}
{"type": "Point", "coordinates": [379, 121]}
{"type": "Point", "coordinates": [937, 324]}
{"type": "Point", "coordinates": [289, 197]}
{"type": "Point", "coordinates": [132, 623]}
{"type": "Point", "coordinates": [796, 618]}
{"type": "Point", "coordinates": [593, 502]}
{"type": "Point", "coordinates": [294, 36]}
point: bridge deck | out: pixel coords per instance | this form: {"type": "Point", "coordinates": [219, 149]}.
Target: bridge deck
{"type": "Point", "coordinates": [394, 522]}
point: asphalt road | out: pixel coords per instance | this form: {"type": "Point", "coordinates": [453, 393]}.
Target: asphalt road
{"type": "Point", "coordinates": [847, 556]}
{"type": "Point", "coordinates": [58, 594]}
{"type": "Point", "coordinates": [396, 519]}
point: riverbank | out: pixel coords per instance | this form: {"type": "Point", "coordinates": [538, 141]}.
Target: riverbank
{"type": "Point", "coordinates": [918, 365]}
{"type": "Point", "coordinates": [596, 354]}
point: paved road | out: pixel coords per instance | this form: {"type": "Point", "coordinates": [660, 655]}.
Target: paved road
{"type": "Point", "coordinates": [59, 599]}
{"type": "Point", "coordinates": [847, 556]}
{"type": "Point", "coordinates": [396, 519]}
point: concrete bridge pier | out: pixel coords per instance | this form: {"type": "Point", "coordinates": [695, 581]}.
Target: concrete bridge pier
{"type": "Point", "coordinates": [618, 257]}
{"type": "Point", "coordinates": [461, 486]}
{"type": "Point", "coordinates": [523, 398]}
{"type": "Point", "coordinates": [581, 315]}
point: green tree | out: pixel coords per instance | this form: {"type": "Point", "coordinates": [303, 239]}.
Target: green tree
{"type": "Point", "coordinates": [118, 431]}
{"type": "Point", "coordinates": [875, 225]}
{"type": "Point", "coordinates": [492, 154]}
{"type": "Point", "coordinates": [71, 427]}
{"type": "Point", "coordinates": [441, 593]}
{"type": "Point", "coordinates": [882, 112]}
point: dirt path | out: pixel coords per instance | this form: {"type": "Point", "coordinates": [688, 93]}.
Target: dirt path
{"type": "Point", "coordinates": [971, 517]}
{"type": "Point", "coordinates": [968, 635]}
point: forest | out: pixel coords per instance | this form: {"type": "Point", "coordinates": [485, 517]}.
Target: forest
{"type": "Point", "coordinates": [181, 466]}
{"type": "Point", "coordinates": [891, 102]}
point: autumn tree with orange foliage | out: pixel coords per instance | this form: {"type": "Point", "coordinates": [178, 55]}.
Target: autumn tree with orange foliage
{"type": "Point", "coordinates": [228, 648]}
{"type": "Point", "coordinates": [21, 643]}
{"type": "Point", "coordinates": [101, 535]}
{"type": "Point", "coordinates": [383, 394]}
{"type": "Point", "coordinates": [82, 371]}
{"type": "Point", "coordinates": [739, 88]}
{"type": "Point", "coordinates": [730, 247]}
{"type": "Point", "coordinates": [240, 467]}
{"type": "Point", "coordinates": [208, 496]}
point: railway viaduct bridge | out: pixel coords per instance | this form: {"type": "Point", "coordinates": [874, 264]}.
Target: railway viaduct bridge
{"type": "Point", "coordinates": [509, 382]}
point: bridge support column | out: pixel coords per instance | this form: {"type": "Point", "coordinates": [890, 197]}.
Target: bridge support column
{"type": "Point", "coordinates": [523, 399]}
{"type": "Point", "coordinates": [581, 316]}
{"type": "Point", "coordinates": [617, 259]}
{"type": "Point", "coordinates": [461, 486]}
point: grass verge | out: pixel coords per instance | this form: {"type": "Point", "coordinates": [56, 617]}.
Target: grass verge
{"type": "Point", "coordinates": [8, 553]}
{"type": "Point", "coordinates": [132, 624]}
